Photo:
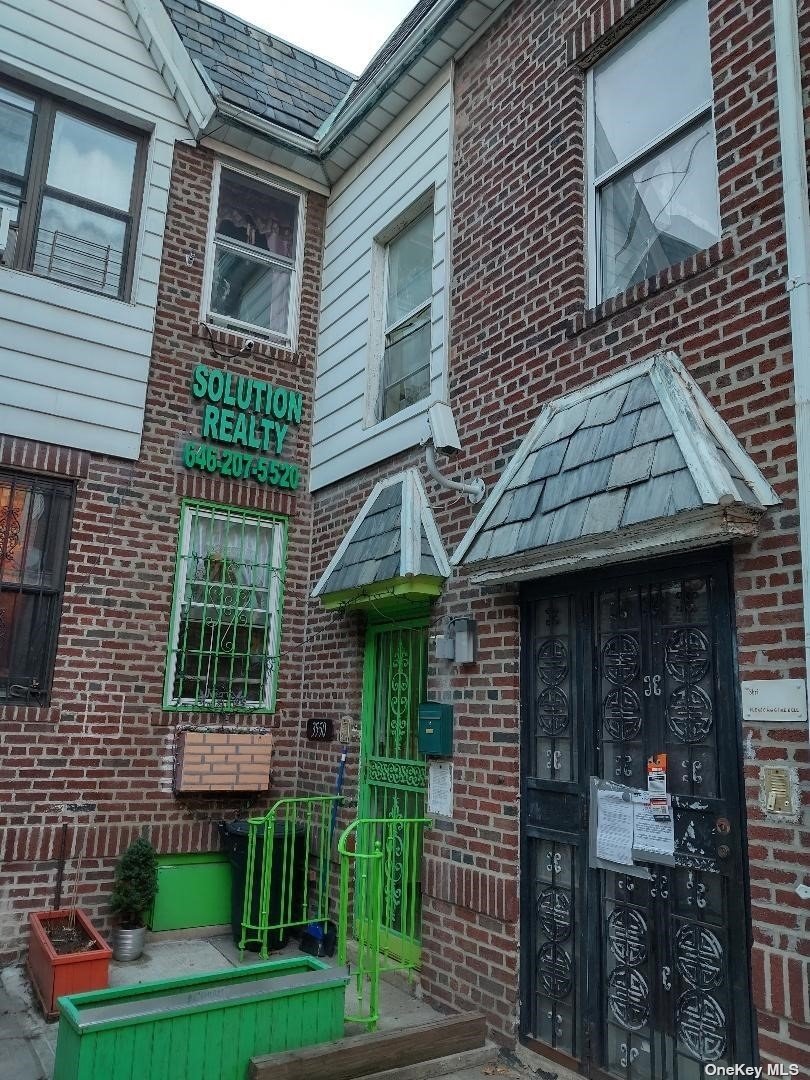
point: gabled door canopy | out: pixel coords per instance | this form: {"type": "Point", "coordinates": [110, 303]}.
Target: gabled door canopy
{"type": "Point", "coordinates": [391, 553]}
{"type": "Point", "coordinates": [635, 465]}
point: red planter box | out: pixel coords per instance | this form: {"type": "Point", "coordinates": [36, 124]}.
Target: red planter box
{"type": "Point", "coordinates": [53, 974]}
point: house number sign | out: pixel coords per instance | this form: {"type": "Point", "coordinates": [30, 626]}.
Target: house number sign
{"type": "Point", "coordinates": [774, 701]}
{"type": "Point", "coordinates": [243, 420]}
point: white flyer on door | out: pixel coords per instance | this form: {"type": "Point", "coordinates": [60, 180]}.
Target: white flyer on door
{"type": "Point", "coordinates": [614, 827]}
{"type": "Point", "coordinates": [653, 824]}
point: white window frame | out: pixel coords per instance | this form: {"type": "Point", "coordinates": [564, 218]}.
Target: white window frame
{"type": "Point", "coordinates": [595, 183]}
{"type": "Point", "coordinates": [279, 544]}
{"type": "Point", "coordinates": [378, 329]}
{"type": "Point", "coordinates": [290, 339]}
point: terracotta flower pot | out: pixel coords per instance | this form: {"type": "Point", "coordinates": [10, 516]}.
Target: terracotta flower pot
{"type": "Point", "coordinates": [54, 974]}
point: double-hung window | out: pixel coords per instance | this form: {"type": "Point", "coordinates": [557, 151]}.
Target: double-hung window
{"type": "Point", "coordinates": [34, 534]}
{"type": "Point", "coordinates": [255, 257]}
{"type": "Point", "coordinates": [226, 616]}
{"type": "Point", "coordinates": [652, 159]}
{"type": "Point", "coordinates": [69, 189]}
{"type": "Point", "coordinates": [408, 294]}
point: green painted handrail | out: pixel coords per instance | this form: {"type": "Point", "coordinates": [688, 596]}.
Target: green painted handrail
{"type": "Point", "coordinates": [294, 837]}
{"type": "Point", "coordinates": [381, 854]}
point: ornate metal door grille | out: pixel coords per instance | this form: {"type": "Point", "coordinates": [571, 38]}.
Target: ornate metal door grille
{"type": "Point", "coordinates": [393, 776]}
{"type": "Point", "coordinates": [624, 976]}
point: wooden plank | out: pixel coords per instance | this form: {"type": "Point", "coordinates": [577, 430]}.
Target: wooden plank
{"type": "Point", "coordinates": [364, 1054]}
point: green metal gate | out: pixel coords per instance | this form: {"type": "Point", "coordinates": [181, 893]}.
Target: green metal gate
{"type": "Point", "coordinates": [392, 775]}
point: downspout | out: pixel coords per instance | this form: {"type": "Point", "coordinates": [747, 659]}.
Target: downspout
{"type": "Point", "coordinates": [797, 235]}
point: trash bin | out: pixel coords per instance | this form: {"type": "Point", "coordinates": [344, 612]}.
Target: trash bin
{"type": "Point", "coordinates": [234, 836]}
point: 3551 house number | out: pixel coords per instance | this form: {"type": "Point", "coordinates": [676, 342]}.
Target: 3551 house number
{"type": "Point", "coordinates": [252, 418]}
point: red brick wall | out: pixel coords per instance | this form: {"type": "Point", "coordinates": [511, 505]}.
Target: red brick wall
{"type": "Point", "coordinates": [522, 335]}
{"type": "Point", "coordinates": [105, 740]}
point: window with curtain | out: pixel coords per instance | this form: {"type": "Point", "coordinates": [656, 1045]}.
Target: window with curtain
{"type": "Point", "coordinates": [408, 294]}
{"type": "Point", "coordinates": [34, 534]}
{"type": "Point", "coordinates": [254, 257]}
{"type": "Point", "coordinates": [69, 188]}
{"type": "Point", "coordinates": [652, 159]}
{"type": "Point", "coordinates": [226, 615]}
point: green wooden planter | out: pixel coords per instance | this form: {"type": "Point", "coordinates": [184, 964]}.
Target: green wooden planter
{"type": "Point", "coordinates": [204, 1026]}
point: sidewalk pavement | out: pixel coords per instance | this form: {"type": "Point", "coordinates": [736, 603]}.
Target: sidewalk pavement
{"type": "Point", "coordinates": [28, 1042]}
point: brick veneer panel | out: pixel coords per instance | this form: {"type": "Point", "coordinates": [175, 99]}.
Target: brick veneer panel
{"type": "Point", "coordinates": [522, 334]}
{"type": "Point", "coordinates": [100, 757]}
{"type": "Point", "coordinates": [225, 760]}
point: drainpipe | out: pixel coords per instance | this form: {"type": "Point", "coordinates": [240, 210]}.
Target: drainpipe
{"type": "Point", "coordinates": [797, 234]}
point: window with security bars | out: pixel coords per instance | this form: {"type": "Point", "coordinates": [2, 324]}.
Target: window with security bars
{"type": "Point", "coordinates": [34, 535]}
{"type": "Point", "coordinates": [226, 616]}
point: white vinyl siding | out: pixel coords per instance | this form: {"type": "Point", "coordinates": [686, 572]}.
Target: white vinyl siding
{"type": "Point", "coordinates": [380, 190]}
{"type": "Point", "coordinates": [73, 365]}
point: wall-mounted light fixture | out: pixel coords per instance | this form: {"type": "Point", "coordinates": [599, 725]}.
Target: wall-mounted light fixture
{"type": "Point", "coordinates": [458, 644]}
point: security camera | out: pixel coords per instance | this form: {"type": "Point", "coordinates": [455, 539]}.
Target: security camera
{"type": "Point", "coordinates": [443, 428]}
{"type": "Point", "coordinates": [249, 345]}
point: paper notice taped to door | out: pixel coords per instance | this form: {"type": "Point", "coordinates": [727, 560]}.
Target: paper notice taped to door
{"type": "Point", "coordinates": [614, 827]}
{"type": "Point", "coordinates": [653, 824]}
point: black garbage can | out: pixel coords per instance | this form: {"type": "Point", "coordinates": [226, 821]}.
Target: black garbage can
{"type": "Point", "coordinates": [234, 835]}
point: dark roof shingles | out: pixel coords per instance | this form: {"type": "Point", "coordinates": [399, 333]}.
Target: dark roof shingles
{"type": "Point", "coordinates": [604, 463]}
{"type": "Point", "coordinates": [252, 69]}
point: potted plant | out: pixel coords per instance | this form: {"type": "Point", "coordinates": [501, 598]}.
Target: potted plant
{"type": "Point", "coordinates": [66, 955]}
{"type": "Point", "coordinates": [133, 894]}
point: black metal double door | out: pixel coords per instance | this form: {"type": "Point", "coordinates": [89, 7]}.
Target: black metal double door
{"type": "Point", "coordinates": [643, 974]}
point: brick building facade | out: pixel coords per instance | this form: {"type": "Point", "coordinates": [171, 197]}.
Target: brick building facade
{"type": "Point", "coordinates": [524, 333]}
{"type": "Point", "coordinates": [101, 758]}
{"type": "Point", "coordinates": [496, 145]}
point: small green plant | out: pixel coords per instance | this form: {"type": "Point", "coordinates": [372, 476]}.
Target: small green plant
{"type": "Point", "coordinates": [135, 885]}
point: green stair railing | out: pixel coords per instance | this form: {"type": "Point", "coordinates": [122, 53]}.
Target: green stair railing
{"type": "Point", "coordinates": [382, 858]}
{"type": "Point", "coordinates": [289, 849]}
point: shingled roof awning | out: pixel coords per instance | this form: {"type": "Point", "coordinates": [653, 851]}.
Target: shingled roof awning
{"type": "Point", "coordinates": [392, 549]}
{"type": "Point", "coordinates": [635, 465]}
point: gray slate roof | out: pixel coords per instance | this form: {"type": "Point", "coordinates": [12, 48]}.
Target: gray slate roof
{"type": "Point", "coordinates": [374, 552]}
{"type": "Point", "coordinates": [257, 72]}
{"type": "Point", "coordinates": [603, 462]}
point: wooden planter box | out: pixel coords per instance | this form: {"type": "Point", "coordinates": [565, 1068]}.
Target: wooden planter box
{"type": "Point", "coordinates": [201, 1025]}
{"type": "Point", "coordinates": [54, 974]}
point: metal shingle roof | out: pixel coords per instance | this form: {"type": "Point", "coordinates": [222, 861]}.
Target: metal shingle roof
{"type": "Point", "coordinates": [634, 449]}
{"type": "Point", "coordinates": [256, 71]}
{"type": "Point", "coordinates": [373, 549]}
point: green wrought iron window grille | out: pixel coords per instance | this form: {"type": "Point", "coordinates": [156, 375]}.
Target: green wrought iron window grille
{"type": "Point", "coordinates": [225, 633]}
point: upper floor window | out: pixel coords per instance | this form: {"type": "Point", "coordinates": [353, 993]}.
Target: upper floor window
{"type": "Point", "coordinates": [34, 534]}
{"type": "Point", "coordinates": [69, 190]}
{"type": "Point", "coordinates": [652, 160]}
{"type": "Point", "coordinates": [255, 257]}
{"type": "Point", "coordinates": [408, 293]}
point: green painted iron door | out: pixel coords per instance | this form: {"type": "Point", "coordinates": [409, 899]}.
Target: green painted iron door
{"type": "Point", "coordinates": [392, 781]}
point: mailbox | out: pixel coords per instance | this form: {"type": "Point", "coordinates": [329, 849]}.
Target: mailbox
{"type": "Point", "coordinates": [435, 729]}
